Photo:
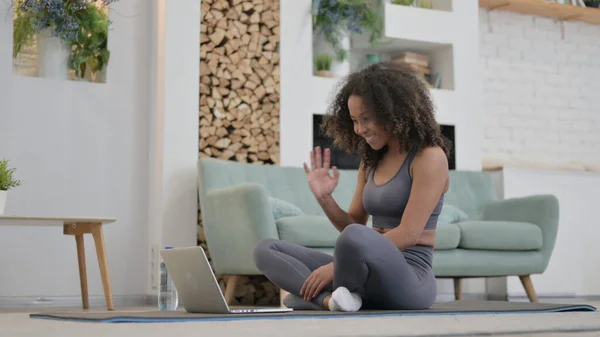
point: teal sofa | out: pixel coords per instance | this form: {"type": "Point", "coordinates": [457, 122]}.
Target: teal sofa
{"type": "Point", "coordinates": [478, 235]}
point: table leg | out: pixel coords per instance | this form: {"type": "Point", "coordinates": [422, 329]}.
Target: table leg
{"type": "Point", "coordinates": [78, 230]}
{"type": "Point", "coordinates": [102, 262]}
{"type": "Point", "coordinates": [82, 270]}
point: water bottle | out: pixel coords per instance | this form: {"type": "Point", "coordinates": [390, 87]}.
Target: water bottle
{"type": "Point", "coordinates": [168, 299]}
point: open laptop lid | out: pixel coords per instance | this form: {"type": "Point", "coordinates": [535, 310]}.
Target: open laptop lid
{"type": "Point", "coordinates": [194, 279]}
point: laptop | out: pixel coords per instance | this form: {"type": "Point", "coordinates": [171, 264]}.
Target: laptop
{"type": "Point", "coordinates": [197, 285]}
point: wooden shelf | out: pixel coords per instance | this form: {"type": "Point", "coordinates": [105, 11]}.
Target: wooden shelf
{"type": "Point", "coordinates": [545, 9]}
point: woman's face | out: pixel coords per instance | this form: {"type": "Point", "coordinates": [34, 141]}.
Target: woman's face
{"type": "Point", "coordinates": [365, 124]}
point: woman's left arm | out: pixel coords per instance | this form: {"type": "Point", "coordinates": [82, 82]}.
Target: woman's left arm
{"type": "Point", "coordinates": [430, 176]}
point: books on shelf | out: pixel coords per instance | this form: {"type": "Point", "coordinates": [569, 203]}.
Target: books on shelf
{"type": "Point", "coordinates": [419, 63]}
{"type": "Point", "coordinates": [412, 58]}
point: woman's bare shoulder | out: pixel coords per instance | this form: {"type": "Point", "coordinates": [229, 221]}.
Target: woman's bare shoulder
{"type": "Point", "coordinates": [432, 158]}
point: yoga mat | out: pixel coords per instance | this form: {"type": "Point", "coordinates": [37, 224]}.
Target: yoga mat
{"type": "Point", "coordinates": [442, 308]}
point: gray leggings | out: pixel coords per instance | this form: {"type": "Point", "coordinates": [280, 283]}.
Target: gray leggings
{"type": "Point", "coordinates": [364, 261]}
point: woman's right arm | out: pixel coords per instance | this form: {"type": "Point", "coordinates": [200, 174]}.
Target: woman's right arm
{"type": "Point", "coordinates": [356, 213]}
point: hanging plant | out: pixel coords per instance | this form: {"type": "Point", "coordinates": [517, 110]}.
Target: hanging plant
{"type": "Point", "coordinates": [90, 48]}
{"type": "Point", "coordinates": [83, 24]}
{"type": "Point", "coordinates": [333, 17]}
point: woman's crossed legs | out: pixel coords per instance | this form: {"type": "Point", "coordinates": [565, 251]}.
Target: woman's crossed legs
{"type": "Point", "coordinates": [365, 262]}
{"type": "Point", "coordinates": [288, 265]}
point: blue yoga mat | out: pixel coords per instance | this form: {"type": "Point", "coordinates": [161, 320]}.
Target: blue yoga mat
{"type": "Point", "coordinates": [444, 308]}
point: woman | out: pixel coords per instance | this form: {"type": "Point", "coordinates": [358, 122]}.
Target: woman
{"type": "Point", "coordinates": [384, 114]}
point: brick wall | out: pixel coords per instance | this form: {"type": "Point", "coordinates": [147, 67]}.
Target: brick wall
{"type": "Point", "coordinates": [540, 79]}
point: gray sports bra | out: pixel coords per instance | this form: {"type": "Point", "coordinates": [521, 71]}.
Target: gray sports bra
{"type": "Point", "coordinates": [386, 202]}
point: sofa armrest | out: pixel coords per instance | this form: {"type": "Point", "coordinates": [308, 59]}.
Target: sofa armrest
{"type": "Point", "coordinates": [541, 210]}
{"type": "Point", "coordinates": [236, 219]}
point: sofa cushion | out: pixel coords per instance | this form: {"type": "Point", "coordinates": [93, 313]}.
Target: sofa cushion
{"type": "Point", "coordinates": [308, 230]}
{"type": "Point", "coordinates": [317, 231]}
{"type": "Point", "coordinates": [447, 236]}
{"type": "Point", "coordinates": [451, 214]}
{"type": "Point", "coordinates": [499, 235]}
{"type": "Point", "coordinates": [282, 208]}
{"type": "Point", "coordinates": [485, 263]}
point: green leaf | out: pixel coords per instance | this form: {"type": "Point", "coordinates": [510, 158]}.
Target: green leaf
{"type": "Point", "coordinates": [82, 58]}
{"type": "Point", "coordinates": [94, 64]}
{"type": "Point", "coordinates": [96, 41]}
{"type": "Point", "coordinates": [6, 177]}
{"type": "Point", "coordinates": [105, 55]}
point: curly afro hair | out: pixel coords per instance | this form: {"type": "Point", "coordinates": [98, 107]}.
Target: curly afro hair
{"type": "Point", "coordinates": [397, 99]}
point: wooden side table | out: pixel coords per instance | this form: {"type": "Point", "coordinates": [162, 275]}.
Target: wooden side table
{"type": "Point", "coordinates": [76, 227]}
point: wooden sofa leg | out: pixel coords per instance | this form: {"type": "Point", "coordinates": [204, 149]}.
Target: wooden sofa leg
{"type": "Point", "coordinates": [528, 285]}
{"type": "Point", "coordinates": [230, 283]}
{"type": "Point", "coordinates": [457, 288]}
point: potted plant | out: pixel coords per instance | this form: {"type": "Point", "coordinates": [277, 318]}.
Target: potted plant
{"type": "Point", "coordinates": [323, 65]}
{"type": "Point", "coordinates": [335, 20]}
{"type": "Point", "coordinates": [6, 183]}
{"type": "Point", "coordinates": [70, 34]}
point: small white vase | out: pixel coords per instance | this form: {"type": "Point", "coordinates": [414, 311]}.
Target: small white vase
{"type": "Point", "coordinates": [3, 196]}
{"type": "Point", "coordinates": [322, 46]}
{"type": "Point", "coordinates": [53, 56]}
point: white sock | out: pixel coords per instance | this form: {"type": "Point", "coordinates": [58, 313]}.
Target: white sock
{"type": "Point", "coordinates": [343, 300]}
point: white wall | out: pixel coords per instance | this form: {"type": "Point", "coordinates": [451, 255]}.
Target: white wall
{"type": "Point", "coordinates": [540, 90]}
{"type": "Point", "coordinates": [80, 149]}
{"type": "Point", "coordinates": [297, 101]}
{"type": "Point", "coordinates": [173, 207]}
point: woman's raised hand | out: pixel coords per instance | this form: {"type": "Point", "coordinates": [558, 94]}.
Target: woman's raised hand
{"type": "Point", "coordinates": [321, 183]}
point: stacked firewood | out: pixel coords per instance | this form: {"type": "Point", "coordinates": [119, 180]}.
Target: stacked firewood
{"type": "Point", "coordinates": [239, 80]}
